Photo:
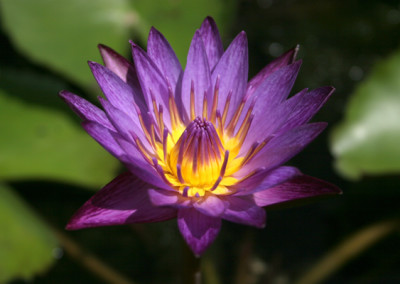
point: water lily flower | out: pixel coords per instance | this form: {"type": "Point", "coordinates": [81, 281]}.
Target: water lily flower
{"type": "Point", "coordinates": [201, 144]}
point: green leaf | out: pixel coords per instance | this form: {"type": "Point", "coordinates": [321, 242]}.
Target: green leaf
{"type": "Point", "coordinates": [367, 141]}
{"type": "Point", "coordinates": [178, 20]}
{"type": "Point", "coordinates": [26, 244]}
{"type": "Point", "coordinates": [42, 142]}
{"type": "Point", "coordinates": [63, 35]}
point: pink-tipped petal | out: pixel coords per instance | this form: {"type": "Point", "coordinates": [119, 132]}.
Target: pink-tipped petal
{"type": "Point", "coordinates": [123, 201]}
{"type": "Point", "coordinates": [121, 67]}
{"type": "Point", "coordinates": [162, 54]}
{"type": "Point", "coordinates": [197, 229]}
{"type": "Point", "coordinates": [244, 210]}
{"type": "Point", "coordinates": [283, 60]}
{"type": "Point", "coordinates": [86, 110]}
{"type": "Point", "coordinates": [212, 41]}
{"type": "Point", "coordinates": [301, 187]}
{"type": "Point", "coordinates": [232, 69]}
{"type": "Point", "coordinates": [197, 77]}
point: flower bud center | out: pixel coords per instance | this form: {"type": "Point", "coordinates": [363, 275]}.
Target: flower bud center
{"type": "Point", "coordinates": [197, 157]}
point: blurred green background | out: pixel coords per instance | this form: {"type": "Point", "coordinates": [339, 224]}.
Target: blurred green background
{"type": "Point", "coordinates": [49, 166]}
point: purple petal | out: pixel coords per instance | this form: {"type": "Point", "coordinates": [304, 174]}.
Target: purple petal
{"type": "Point", "coordinates": [104, 137]}
{"type": "Point", "coordinates": [243, 210]}
{"type": "Point", "coordinates": [283, 60]}
{"type": "Point", "coordinates": [162, 54]}
{"type": "Point", "coordinates": [163, 197]}
{"type": "Point", "coordinates": [268, 98]}
{"type": "Point", "coordinates": [138, 165]}
{"type": "Point", "coordinates": [123, 201]}
{"type": "Point", "coordinates": [168, 198]}
{"type": "Point", "coordinates": [269, 95]}
{"type": "Point", "coordinates": [197, 74]}
{"type": "Point", "coordinates": [198, 230]}
{"type": "Point", "coordinates": [283, 147]}
{"type": "Point", "coordinates": [263, 179]}
{"type": "Point", "coordinates": [273, 122]}
{"type": "Point", "coordinates": [127, 127]}
{"type": "Point", "coordinates": [152, 81]}
{"type": "Point", "coordinates": [120, 66]}
{"type": "Point", "coordinates": [300, 108]}
{"type": "Point", "coordinates": [293, 112]}
{"type": "Point", "coordinates": [298, 188]}
{"type": "Point", "coordinates": [120, 94]}
{"type": "Point", "coordinates": [86, 110]}
{"type": "Point", "coordinates": [232, 69]}
{"type": "Point", "coordinates": [210, 205]}
{"type": "Point", "coordinates": [212, 41]}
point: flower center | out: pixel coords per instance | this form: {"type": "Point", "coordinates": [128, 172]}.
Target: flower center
{"type": "Point", "coordinates": [201, 156]}
{"type": "Point", "coordinates": [198, 158]}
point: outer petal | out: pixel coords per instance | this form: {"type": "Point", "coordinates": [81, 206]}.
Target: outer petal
{"type": "Point", "coordinates": [301, 187]}
{"type": "Point", "coordinates": [211, 205]}
{"type": "Point", "coordinates": [126, 153]}
{"type": "Point", "coordinates": [86, 110]}
{"type": "Point", "coordinates": [301, 108]}
{"type": "Point", "coordinates": [232, 69]}
{"type": "Point", "coordinates": [245, 211]}
{"type": "Point", "coordinates": [127, 127]}
{"type": "Point", "coordinates": [161, 197]}
{"type": "Point", "coordinates": [152, 81]}
{"type": "Point", "coordinates": [283, 60]}
{"type": "Point", "coordinates": [198, 230]}
{"type": "Point", "coordinates": [162, 54]}
{"type": "Point", "coordinates": [294, 112]}
{"type": "Point", "coordinates": [274, 119]}
{"type": "Point", "coordinates": [212, 41]}
{"type": "Point", "coordinates": [122, 201]}
{"type": "Point", "coordinates": [120, 94]}
{"type": "Point", "coordinates": [120, 66]}
{"type": "Point", "coordinates": [283, 147]}
{"type": "Point", "coordinates": [138, 165]}
{"type": "Point", "coordinates": [269, 95]}
{"type": "Point", "coordinates": [262, 179]}
{"type": "Point", "coordinates": [197, 74]}
{"type": "Point", "coordinates": [105, 137]}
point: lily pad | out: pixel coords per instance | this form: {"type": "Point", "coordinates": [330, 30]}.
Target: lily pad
{"type": "Point", "coordinates": [63, 35]}
{"type": "Point", "coordinates": [43, 142]}
{"type": "Point", "coordinates": [367, 141]}
{"type": "Point", "coordinates": [26, 244]}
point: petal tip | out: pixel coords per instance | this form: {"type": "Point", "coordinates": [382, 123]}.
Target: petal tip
{"type": "Point", "coordinates": [92, 64]}
{"type": "Point", "coordinates": [63, 94]}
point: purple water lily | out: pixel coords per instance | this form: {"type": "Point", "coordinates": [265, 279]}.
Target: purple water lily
{"type": "Point", "coordinates": [201, 144]}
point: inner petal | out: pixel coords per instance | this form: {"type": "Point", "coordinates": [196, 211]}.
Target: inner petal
{"type": "Point", "coordinates": [197, 158]}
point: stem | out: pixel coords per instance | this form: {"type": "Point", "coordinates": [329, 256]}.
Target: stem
{"type": "Point", "coordinates": [89, 261]}
{"type": "Point", "coordinates": [192, 264]}
{"type": "Point", "coordinates": [348, 249]}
